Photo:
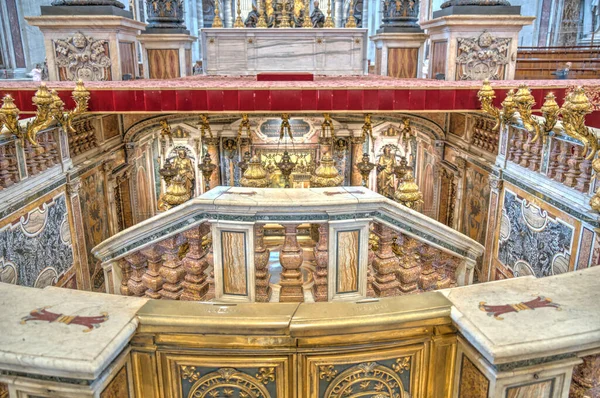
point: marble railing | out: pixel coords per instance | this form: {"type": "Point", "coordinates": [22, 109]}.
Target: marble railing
{"type": "Point", "coordinates": [522, 337]}
{"type": "Point", "coordinates": [212, 247]}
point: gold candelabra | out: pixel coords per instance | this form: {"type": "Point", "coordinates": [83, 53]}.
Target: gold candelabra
{"type": "Point", "coordinates": [239, 23]}
{"type": "Point", "coordinates": [262, 20]}
{"type": "Point", "coordinates": [217, 21]}
{"type": "Point", "coordinates": [285, 19]}
{"type": "Point", "coordinates": [306, 22]}
{"type": "Point", "coordinates": [367, 130]}
{"type": "Point", "coordinates": [50, 108]}
{"type": "Point", "coordinates": [328, 21]}
{"type": "Point", "coordinates": [351, 22]}
{"type": "Point", "coordinates": [327, 136]}
{"type": "Point", "coordinates": [207, 168]}
{"type": "Point", "coordinates": [364, 168]}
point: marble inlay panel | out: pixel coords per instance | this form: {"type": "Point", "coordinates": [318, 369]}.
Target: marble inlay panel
{"type": "Point", "coordinates": [118, 387]}
{"type": "Point", "coordinates": [543, 389]}
{"type": "Point", "coordinates": [473, 383]}
{"type": "Point", "coordinates": [347, 261]}
{"type": "Point", "coordinates": [233, 249]}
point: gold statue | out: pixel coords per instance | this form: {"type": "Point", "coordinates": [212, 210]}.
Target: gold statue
{"type": "Point", "coordinates": [385, 173]}
{"type": "Point", "coordinates": [183, 164]}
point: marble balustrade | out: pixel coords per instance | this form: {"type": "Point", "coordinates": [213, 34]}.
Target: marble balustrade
{"type": "Point", "coordinates": [522, 337]}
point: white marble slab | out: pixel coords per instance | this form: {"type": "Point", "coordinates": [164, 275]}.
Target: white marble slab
{"type": "Point", "coordinates": [251, 51]}
{"type": "Point", "coordinates": [528, 334]}
{"type": "Point", "coordinates": [60, 349]}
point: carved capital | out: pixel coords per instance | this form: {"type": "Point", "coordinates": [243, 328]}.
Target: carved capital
{"type": "Point", "coordinates": [461, 164]}
{"type": "Point", "coordinates": [73, 187]}
{"type": "Point", "coordinates": [496, 183]}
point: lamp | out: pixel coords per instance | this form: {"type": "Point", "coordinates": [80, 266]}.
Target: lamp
{"type": "Point", "coordinates": [207, 168]}
{"type": "Point", "coordinates": [364, 168]}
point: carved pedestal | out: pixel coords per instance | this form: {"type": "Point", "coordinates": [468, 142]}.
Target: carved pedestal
{"type": "Point", "coordinates": [195, 285]}
{"type": "Point", "coordinates": [152, 279]}
{"type": "Point", "coordinates": [167, 56]}
{"type": "Point", "coordinates": [385, 264]}
{"type": "Point", "coordinates": [429, 277]}
{"type": "Point", "coordinates": [137, 262]}
{"type": "Point", "coordinates": [583, 181]}
{"type": "Point", "coordinates": [291, 257]}
{"type": "Point", "coordinates": [261, 265]}
{"type": "Point", "coordinates": [171, 270]}
{"type": "Point", "coordinates": [319, 289]}
{"type": "Point", "coordinates": [399, 55]}
{"type": "Point", "coordinates": [409, 269]}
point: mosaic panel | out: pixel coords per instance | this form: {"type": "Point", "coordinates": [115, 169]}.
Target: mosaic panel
{"type": "Point", "coordinates": [531, 242]}
{"type": "Point", "coordinates": [36, 249]}
{"type": "Point", "coordinates": [473, 383]}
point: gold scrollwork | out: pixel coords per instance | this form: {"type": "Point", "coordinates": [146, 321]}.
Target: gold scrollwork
{"type": "Point", "coordinates": [266, 375]}
{"type": "Point", "coordinates": [228, 382]}
{"type": "Point", "coordinates": [327, 372]}
{"type": "Point", "coordinates": [401, 365]}
{"type": "Point", "coordinates": [366, 379]}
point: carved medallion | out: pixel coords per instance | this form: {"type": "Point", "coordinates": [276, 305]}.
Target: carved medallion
{"type": "Point", "coordinates": [367, 379]}
{"type": "Point", "coordinates": [483, 57]}
{"type": "Point", "coordinates": [229, 382]}
{"type": "Point", "coordinates": [82, 57]}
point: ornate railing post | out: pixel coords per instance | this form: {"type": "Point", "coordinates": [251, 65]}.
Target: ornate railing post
{"type": "Point", "coordinates": [322, 262]}
{"type": "Point", "coordinates": [137, 262]}
{"type": "Point", "coordinates": [125, 275]}
{"type": "Point", "coordinates": [195, 285]}
{"type": "Point", "coordinates": [385, 264]}
{"type": "Point", "coordinates": [152, 279]}
{"type": "Point", "coordinates": [261, 264]}
{"type": "Point", "coordinates": [291, 257]}
{"type": "Point", "coordinates": [171, 270]}
{"type": "Point", "coordinates": [409, 258]}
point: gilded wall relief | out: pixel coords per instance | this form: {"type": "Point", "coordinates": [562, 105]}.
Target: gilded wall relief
{"type": "Point", "coordinates": [472, 383]}
{"type": "Point", "coordinates": [348, 252]}
{"type": "Point", "coordinates": [95, 220]}
{"type": "Point", "coordinates": [477, 198]}
{"type": "Point", "coordinates": [35, 247]}
{"type": "Point", "coordinates": [82, 57]}
{"type": "Point", "coordinates": [482, 57]}
{"type": "Point", "coordinates": [118, 387]}
{"type": "Point", "coordinates": [544, 389]}
{"type": "Point", "coordinates": [233, 249]}
{"type": "Point", "coordinates": [531, 241]}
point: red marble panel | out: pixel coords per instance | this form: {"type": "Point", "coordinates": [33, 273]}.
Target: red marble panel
{"type": "Point", "coordinates": [125, 100]}
{"type": "Point", "coordinates": [262, 100]}
{"type": "Point", "coordinates": [324, 100]}
{"type": "Point", "coordinates": [168, 100]}
{"type": "Point", "coordinates": [340, 100]}
{"type": "Point", "coordinates": [370, 100]}
{"type": "Point", "coordinates": [246, 100]}
{"type": "Point", "coordinates": [432, 99]}
{"type": "Point", "coordinates": [215, 100]}
{"type": "Point", "coordinates": [386, 100]}
{"type": "Point", "coordinates": [153, 100]}
{"type": "Point", "coordinates": [416, 100]}
{"type": "Point", "coordinates": [401, 100]}
{"type": "Point", "coordinates": [199, 100]}
{"type": "Point", "coordinates": [24, 100]}
{"type": "Point", "coordinates": [285, 100]}
{"type": "Point", "coordinates": [230, 100]}
{"type": "Point", "coordinates": [102, 101]}
{"type": "Point", "coordinates": [355, 100]}
{"type": "Point", "coordinates": [309, 100]}
{"type": "Point", "coordinates": [184, 101]}
{"type": "Point", "coordinates": [446, 101]}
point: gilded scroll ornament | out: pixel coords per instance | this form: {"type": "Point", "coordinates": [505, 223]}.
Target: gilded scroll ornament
{"type": "Point", "coordinates": [482, 57]}
{"type": "Point", "coordinates": [366, 379]}
{"type": "Point", "coordinates": [228, 382]}
{"type": "Point", "coordinates": [83, 57]}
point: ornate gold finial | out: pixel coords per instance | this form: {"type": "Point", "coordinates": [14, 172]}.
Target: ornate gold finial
{"type": "Point", "coordinates": [9, 115]}
{"type": "Point", "coordinates": [351, 22]}
{"type": "Point", "coordinates": [364, 168]}
{"type": "Point", "coordinates": [255, 175]}
{"type": "Point", "coordinates": [408, 192]}
{"type": "Point", "coordinates": [175, 194]}
{"type": "Point", "coordinates": [550, 111]}
{"type": "Point", "coordinates": [595, 200]}
{"type": "Point", "coordinates": [239, 23]}
{"type": "Point", "coordinates": [262, 20]}
{"type": "Point", "coordinates": [326, 175]}
{"type": "Point", "coordinates": [285, 19]}
{"type": "Point", "coordinates": [285, 127]}
{"type": "Point", "coordinates": [367, 130]}
{"type": "Point", "coordinates": [328, 21]}
{"type": "Point", "coordinates": [207, 168]}
{"type": "Point", "coordinates": [217, 21]}
{"type": "Point", "coordinates": [327, 130]}
{"type": "Point", "coordinates": [306, 22]}
{"type": "Point", "coordinates": [205, 126]}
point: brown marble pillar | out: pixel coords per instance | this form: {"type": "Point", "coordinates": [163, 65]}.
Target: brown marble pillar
{"type": "Point", "coordinates": [385, 264]}
{"type": "Point", "coordinates": [291, 257]}
{"type": "Point", "coordinates": [586, 378]}
{"type": "Point", "coordinates": [137, 262]}
{"type": "Point", "coordinates": [211, 275]}
{"type": "Point", "coordinates": [496, 185]}
{"type": "Point", "coordinates": [195, 285]}
{"type": "Point", "coordinates": [370, 273]}
{"type": "Point", "coordinates": [321, 251]}
{"type": "Point", "coordinates": [261, 264]}
{"type": "Point", "coordinates": [171, 270]}
{"type": "Point", "coordinates": [585, 176]}
{"type": "Point", "coordinates": [409, 270]}
{"type": "Point", "coordinates": [574, 161]}
{"type": "Point", "coordinates": [357, 152]}
{"type": "Point", "coordinates": [151, 278]}
{"type": "Point", "coordinates": [212, 145]}
{"type": "Point", "coordinates": [562, 167]}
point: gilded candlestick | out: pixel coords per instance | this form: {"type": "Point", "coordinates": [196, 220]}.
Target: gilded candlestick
{"type": "Point", "coordinates": [239, 23]}
{"type": "Point", "coordinates": [328, 20]}
{"type": "Point", "coordinates": [351, 22]}
{"type": "Point", "coordinates": [217, 21]}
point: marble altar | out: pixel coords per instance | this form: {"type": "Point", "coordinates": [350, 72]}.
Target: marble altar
{"type": "Point", "coordinates": [250, 51]}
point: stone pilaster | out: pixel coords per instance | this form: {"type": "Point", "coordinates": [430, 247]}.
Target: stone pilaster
{"type": "Point", "coordinates": [385, 263]}
{"type": "Point", "coordinates": [171, 270]}
{"type": "Point", "coordinates": [125, 275]}
{"type": "Point", "coordinates": [496, 185]}
{"type": "Point", "coordinates": [319, 288]}
{"type": "Point", "coordinates": [195, 285]}
{"type": "Point", "coordinates": [291, 257]}
{"type": "Point", "coordinates": [151, 278]}
{"type": "Point", "coordinates": [356, 156]}
{"type": "Point", "coordinates": [261, 264]}
{"type": "Point", "coordinates": [212, 145]}
{"type": "Point", "coordinates": [80, 255]}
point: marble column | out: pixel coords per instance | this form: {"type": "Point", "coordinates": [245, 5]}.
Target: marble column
{"type": "Point", "coordinates": [338, 13]}
{"type": "Point", "coordinates": [319, 288]}
{"type": "Point", "coordinates": [496, 185]}
{"type": "Point", "coordinates": [171, 270]}
{"type": "Point", "coordinates": [212, 145]}
{"type": "Point", "coordinates": [356, 156]}
{"type": "Point", "coordinates": [80, 255]}
{"type": "Point", "coordinates": [461, 164]}
{"type": "Point", "coordinates": [137, 263]}
{"type": "Point", "coordinates": [151, 278]}
{"type": "Point", "coordinates": [228, 13]}
{"type": "Point", "coordinates": [291, 257]}
{"type": "Point", "coordinates": [261, 264]}
{"type": "Point", "coordinates": [385, 264]}
{"type": "Point", "coordinates": [195, 285]}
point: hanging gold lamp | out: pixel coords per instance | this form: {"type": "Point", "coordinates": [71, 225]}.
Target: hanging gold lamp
{"type": "Point", "coordinates": [326, 175]}
{"type": "Point", "coordinates": [255, 175]}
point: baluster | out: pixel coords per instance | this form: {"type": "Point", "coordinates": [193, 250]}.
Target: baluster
{"type": "Point", "coordinates": [195, 285]}
{"type": "Point", "coordinates": [563, 167]}
{"type": "Point", "coordinates": [429, 276]}
{"type": "Point", "coordinates": [322, 262]}
{"type": "Point", "coordinates": [151, 278]}
{"type": "Point", "coordinates": [125, 275]}
{"type": "Point", "coordinates": [11, 155]}
{"type": "Point", "coordinates": [385, 263]}
{"type": "Point", "coordinates": [291, 258]}
{"type": "Point", "coordinates": [526, 151]}
{"type": "Point", "coordinates": [584, 179]}
{"type": "Point", "coordinates": [409, 256]}
{"type": "Point", "coordinates": [370, 273]}
{"type": "Point", "coordinates": [211, 275]}
{"type": "Point", "coordinates": [32, 166]}
{"type": "Point", "coordinates": [137, 262]}
{"type": "Point", "coordinates": [586, 378]}
{"type": "Point", "coordinates": [171, 270]}
{"type": "Point", "coordinates": [573, 162]}
{"type": "Point", "coordinates": [5, 175]}
{"type": "Point", "coordinates": [261, 265]}
{"type": "Point", "coordinates": [520, 140]}
{"type": "Point", "coordinates": [536, 155]}
{"type": "Point", "coordinates": [513, 138]}
{"type": "Point", "coordinates": [554, 158]}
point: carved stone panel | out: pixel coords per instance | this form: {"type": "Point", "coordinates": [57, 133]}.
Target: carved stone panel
{"type": "Point", "coordinates": [82, 57]}
{"type": "Point", "coordinates": [482, 57]}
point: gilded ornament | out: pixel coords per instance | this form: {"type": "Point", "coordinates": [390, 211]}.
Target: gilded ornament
{"type": "Point", "coordinates": [326, 175]}
{"type": "Point", "coordinates": [262, 20]}
{"type": "Point", "coordinates": [401, 365]}
{"type": "Point", "coordinates": [207, 168]}
{"type": "Point", "coordinates": [239, 23]}
{"type": "Point", "coordinates": [327, 372]}
{"type": "Point", "coordinates": [482, 57]}
{"type": "Point", "coordinates": [367, 379]}
{"type": "Point", "coordinates": [217, 21]}
{"type": "Point", "coordinates": [176, 194]}
{"type": "Point", "coordinates": [205, 127]}
{"type": "Point", "coordinates": [408, 192]}
{"type": "Point", "coordinates": [83, 58]}
{"type": "Point", "coordinates": [266, 375]}
{"type": "Point", "coordinates": [245, 126]}
{"type": "Point", "coordinates": [228, 382]}
{"type": "Point", "coordinates": [190, 373]}
{"type": "Point", "coordinates": [328, 21]}
{"type": "Point", "coordinates": [367, 130]}
{"type": "Point", "coordinates": [364, 168]}
{"type": "Point", "coordinates": [351, 22]}
{"type": "Point", "coordinates": [306, 21]}
{"type": "Point", "coordinates": [255, 176]}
